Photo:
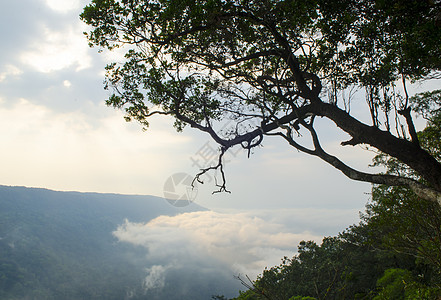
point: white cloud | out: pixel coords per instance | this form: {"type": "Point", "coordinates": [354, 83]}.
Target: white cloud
{"type": "Point", "coordinates": [58, 50]}
{"type": "Point", "coordinates": [9, 70]}
{"type": "Point", "coordinates": [63, 6]}
{"type": "Point", "coordinates": [86, 152]}
{"type": "Point", "coordinates": [155, 278]}
{"type": "Point", "coordinates": [67, 83]}
{"type": "Point", "coordinates": [241, 242]}
{"type": "Point", "coordinates": [318, 221]}
{"type": "Point", "coordinates": [193, 249]}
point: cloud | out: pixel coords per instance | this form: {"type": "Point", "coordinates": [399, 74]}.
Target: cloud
{"type": "Point", "coordinates": [155, 278]}
{"type": "Point", "coordinates": [67, 83]}
{"type": "Point", "coordinates": [201, 252]}
{"type": "Point", "coordinates": [9, 70]}
{"type": "Point", "coordinates": [196, 249]}
{"type": "Point", "coordinates": [57, 136]}
{"type": "Point", "coordinates": [64, 6]}
{"type": "Point", "coordinates": [84, 151]}
{"type": "Point", "coordinates": [317, 221]}
{"type": "Point", "coordinates": [58, 50]}
{"type": "Point", "coordinates": [241, 243]}
{"type": "Point", "coordinates": [45, 35]}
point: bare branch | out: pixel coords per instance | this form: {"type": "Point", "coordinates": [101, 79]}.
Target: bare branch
{"type": "Point", "coordinates": [219, 166]}
{"type": "Point", "coordinates": [251, 286]}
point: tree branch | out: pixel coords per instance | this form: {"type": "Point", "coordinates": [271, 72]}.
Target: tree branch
{"type": "Point", "coordinates": [411, 127]}
{"type": "Point", "coordinates": [405, 151]}
{"type": "Point", "coordinates": [420, 189]}
{"type": "Point", "coordinates": [222, 187]}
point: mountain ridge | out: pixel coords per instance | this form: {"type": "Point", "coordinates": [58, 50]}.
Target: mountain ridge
{"type": "Point", "coordinates": [59, 244]}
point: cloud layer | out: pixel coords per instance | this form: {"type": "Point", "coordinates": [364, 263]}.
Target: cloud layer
{"type": "Point", "coordinates": [207, 241]}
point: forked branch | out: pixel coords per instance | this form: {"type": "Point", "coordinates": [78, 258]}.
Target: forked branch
{"type": "Point", "coordinates": [222, 186]}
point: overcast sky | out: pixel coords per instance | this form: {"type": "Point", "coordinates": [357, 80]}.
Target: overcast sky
{"type": "Point", "coordinates": [57, 133]}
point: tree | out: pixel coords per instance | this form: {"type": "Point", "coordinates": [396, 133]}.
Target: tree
{"type": "Point", "coordinates": [347, 266]}
{"type": "Point", "coordinates": [405, 222]}
{"type": "Point", "coordinates": [356, 264]}
{"type": "Point", "coordinates": [273, 67]}
{"type": "Point", "coordinates": [336, 269]}
{"type": "Point", "coordinates": [399, 284]}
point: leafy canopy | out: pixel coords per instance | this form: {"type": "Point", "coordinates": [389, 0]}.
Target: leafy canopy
{"type": "Point", "coordinates": [272, 67]}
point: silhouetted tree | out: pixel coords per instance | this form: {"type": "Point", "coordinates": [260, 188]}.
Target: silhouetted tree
{"type": "Point", "coordinates": [273, 68]}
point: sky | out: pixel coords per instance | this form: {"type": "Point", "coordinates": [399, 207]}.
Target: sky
{"type": "Point", "coordinates": [57, 133]}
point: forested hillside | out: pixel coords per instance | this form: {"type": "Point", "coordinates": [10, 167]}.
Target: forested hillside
{"type": "Point", "coordinates": [59, 245]}
{"type": "Point", "coordinates": [393, 253]}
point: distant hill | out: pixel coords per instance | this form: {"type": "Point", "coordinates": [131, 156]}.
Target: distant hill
{"type": "Point", "coordinates": [59, 245]}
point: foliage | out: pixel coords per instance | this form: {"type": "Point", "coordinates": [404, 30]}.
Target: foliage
{"type": "Point", "coordinates": [406, 223]}
{"type": "Point", "coordinates": [393, 284]}
{"type": "Point", "coordinates": [429, 106]}
{"type": "Point", "coordinates": [327, 271]}
{"type": "Point", "coordinates": [410, 224]}
{"type": "Point", "coordinates": [399, 284]}
{"type": "Point", "coordinates": [248, 295]}
{"type": "Point", "coordinates": [356, 264]}
{"type": "Point", "coordinates": [271, 67]}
